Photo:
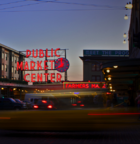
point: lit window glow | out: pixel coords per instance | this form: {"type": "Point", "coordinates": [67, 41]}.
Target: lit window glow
{"type": "Point", "coordinates": [115, 66]}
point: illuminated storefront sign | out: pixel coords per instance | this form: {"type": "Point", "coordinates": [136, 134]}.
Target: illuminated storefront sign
{"type": "Point", "coordinates": [84, 85]}
{"type": "Point", "coordinates": [61, 65]}
{"type": "Point", "coordinates": [105, 52]}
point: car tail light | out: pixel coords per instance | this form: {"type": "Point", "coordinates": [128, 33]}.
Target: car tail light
{"type": "Point", "coordinates": [44, 101]}
{"type": "Point", "coordinates": [74, 104]}
{"type": "Point", "coordinates": [79, 101]}
{"type": "Point", "coordinates": [35, 106]}
{"type": "Point", "coordinates": [82, 105]}
{"type": "Point", "coordinates": [50, 106]}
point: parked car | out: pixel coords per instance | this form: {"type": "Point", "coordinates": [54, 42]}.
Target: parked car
{"type": "Point", "coordinates": [29, 104]}
{"type": "Point", "coordinates": [10, 104]}
{"type": "Point", "coordinates": [44, 105]}
{"type": "Point", "coordinates": [21, 102]}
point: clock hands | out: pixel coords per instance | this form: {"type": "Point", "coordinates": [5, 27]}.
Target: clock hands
{"type": "Point", "coordinates": [61, 63]}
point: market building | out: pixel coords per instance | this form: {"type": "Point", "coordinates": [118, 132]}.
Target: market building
{"type": "Point", "coordinates": [92, 60]}
{"type": "Point", "coordinates": [123, 76]}
{"type": "Point", "coordinates": [9, 76]}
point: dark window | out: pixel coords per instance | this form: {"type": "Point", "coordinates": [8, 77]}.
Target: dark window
{"type": "Point", "coordinates": [6, 68]}
{"type": "Point", "coordinates": [6, 55]}
{"type": "Point", "coordinates": [15, 59]}
{"type": "Point", "coordinates": [95, 67]}
{"type": "Point", "coordinates": [96, 78]}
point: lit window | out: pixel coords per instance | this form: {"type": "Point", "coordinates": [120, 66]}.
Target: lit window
{"type": "Point", "coordinates": [12, 69]}
{"type": "Point", "coordinates": [2, 67]}
{"type": "Point", "coordinates": [2, 55]}
{"type": "Point", "coordinates": [12, 58]}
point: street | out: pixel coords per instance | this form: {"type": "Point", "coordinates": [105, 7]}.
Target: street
{"type": "Point", "coordinates": [131, 136]}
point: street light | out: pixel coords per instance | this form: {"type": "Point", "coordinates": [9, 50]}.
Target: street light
{"type": "Point", "coordinates": [109, 78]}
{"type": "Point", "coordinates": [125, 17]}
{"type": "Point", "coordinates": [115, 66]}
{"type": "Point", "coordinates": [124, 35]}
{"type": "Point", "coordinates": [108, 71]}
{"type": "Point", "coordinates": [129, 6]}
{"type": "Point", "coordinates": [124, 42]}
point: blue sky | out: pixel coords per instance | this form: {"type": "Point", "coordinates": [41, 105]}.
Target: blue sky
{"type": "Point", "coordinates": [71, 24]}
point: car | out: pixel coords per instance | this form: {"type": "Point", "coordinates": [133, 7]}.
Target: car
{"type": "Point", "coordinates": [79, 103]}
{"type": "Point", "coordinates": [20, 101]}
{"type": "Point", "coordinates": [10, 104]}
{"type": "Point", "coordinates": [29, 104]}
{"type": "Point", "coordinates": [44, 105]}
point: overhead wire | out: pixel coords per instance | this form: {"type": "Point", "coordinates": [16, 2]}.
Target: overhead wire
{"type": "Point", "coordinates": [108, 7]}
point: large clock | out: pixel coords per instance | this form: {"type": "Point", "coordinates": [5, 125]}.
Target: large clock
{"type": "Point", "coordinates": [61, 64]}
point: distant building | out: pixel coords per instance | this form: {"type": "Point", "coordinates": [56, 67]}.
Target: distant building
{"type": "Point", "coordinates": [8, 63]}
{"type": "Point", "coordinates": [134, 29]}
{"type": "Point", "coordinates": [92, 60]}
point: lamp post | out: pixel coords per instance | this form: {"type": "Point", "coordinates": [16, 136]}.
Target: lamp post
{"type": "Point", "coordinates": [124, 42]}
{"type": "Point", "coordinates": [129, 6]}
{"type": "Point", "coordinates": [124, 35]}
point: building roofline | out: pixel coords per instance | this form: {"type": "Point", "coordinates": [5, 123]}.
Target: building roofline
{"type": "Point", "coordinates": [11, 49]}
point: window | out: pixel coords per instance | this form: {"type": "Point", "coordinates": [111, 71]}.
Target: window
{"type": "Point", "coordinates": [15, 59]}
{"type": "Point", "coordinates": [6, 55]}
{"type": "Point", "coordinates": [2, 76]}
{"type": "Point", "coordinates": [15, 70]}
{"type": "Point", "coordinates": [12, 58]}
{"type": "Point", "coordinates": [96, 78]}
{"type": "Point", "coordinates": [2, 55]}
{"type": "Point", "coordinates": [95, 67]}
{"type": "Point", "coordinates": [12, 69]}
{"type": "Point", "coordinates": [2, 67]}
{"type": "Point", "coordinates": [6, 68]}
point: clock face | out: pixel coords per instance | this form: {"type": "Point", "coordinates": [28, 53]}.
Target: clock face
{"type": "Point", "coordinates": [61, 64]}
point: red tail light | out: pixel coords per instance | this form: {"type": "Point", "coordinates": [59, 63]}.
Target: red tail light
{"type": "Point", "coordinates": [44, 101]}
{"type": "Point", "coordinates": [82, 105]}
{"type": "Point", "coordinates": [74, 104]}
{"type": "Point", "coordinates": [35, 106]}
{"type": "Point", "coordinates": [49, 106]}
{"type": "Point", "coordinates": [79, 101]}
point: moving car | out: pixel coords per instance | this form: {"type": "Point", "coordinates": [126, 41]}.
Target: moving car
{"type": "Point", "coordinates": [44, 105]}
{"type": "Point", "coordinates": [79, 103]}
{"type": "Point", "coordinates": [10, 104]}
{"type": "Point", "coordinates": [21, 102]}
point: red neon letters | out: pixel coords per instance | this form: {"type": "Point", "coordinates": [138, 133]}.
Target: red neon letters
{"type": "Point", "coordinates": [41, 53]}
{"type": "Point", "coordinates": [39, 77]}
{"type": "Point", "coordinates": [39, 65]}
{"type": "Point", "coordinates": [83, 86]}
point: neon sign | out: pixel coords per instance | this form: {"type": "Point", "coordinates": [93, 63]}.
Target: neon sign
{"type": "Point", "coordinates": [61, 65]}
{"type": "Point", "coordinates": [84, 85]}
